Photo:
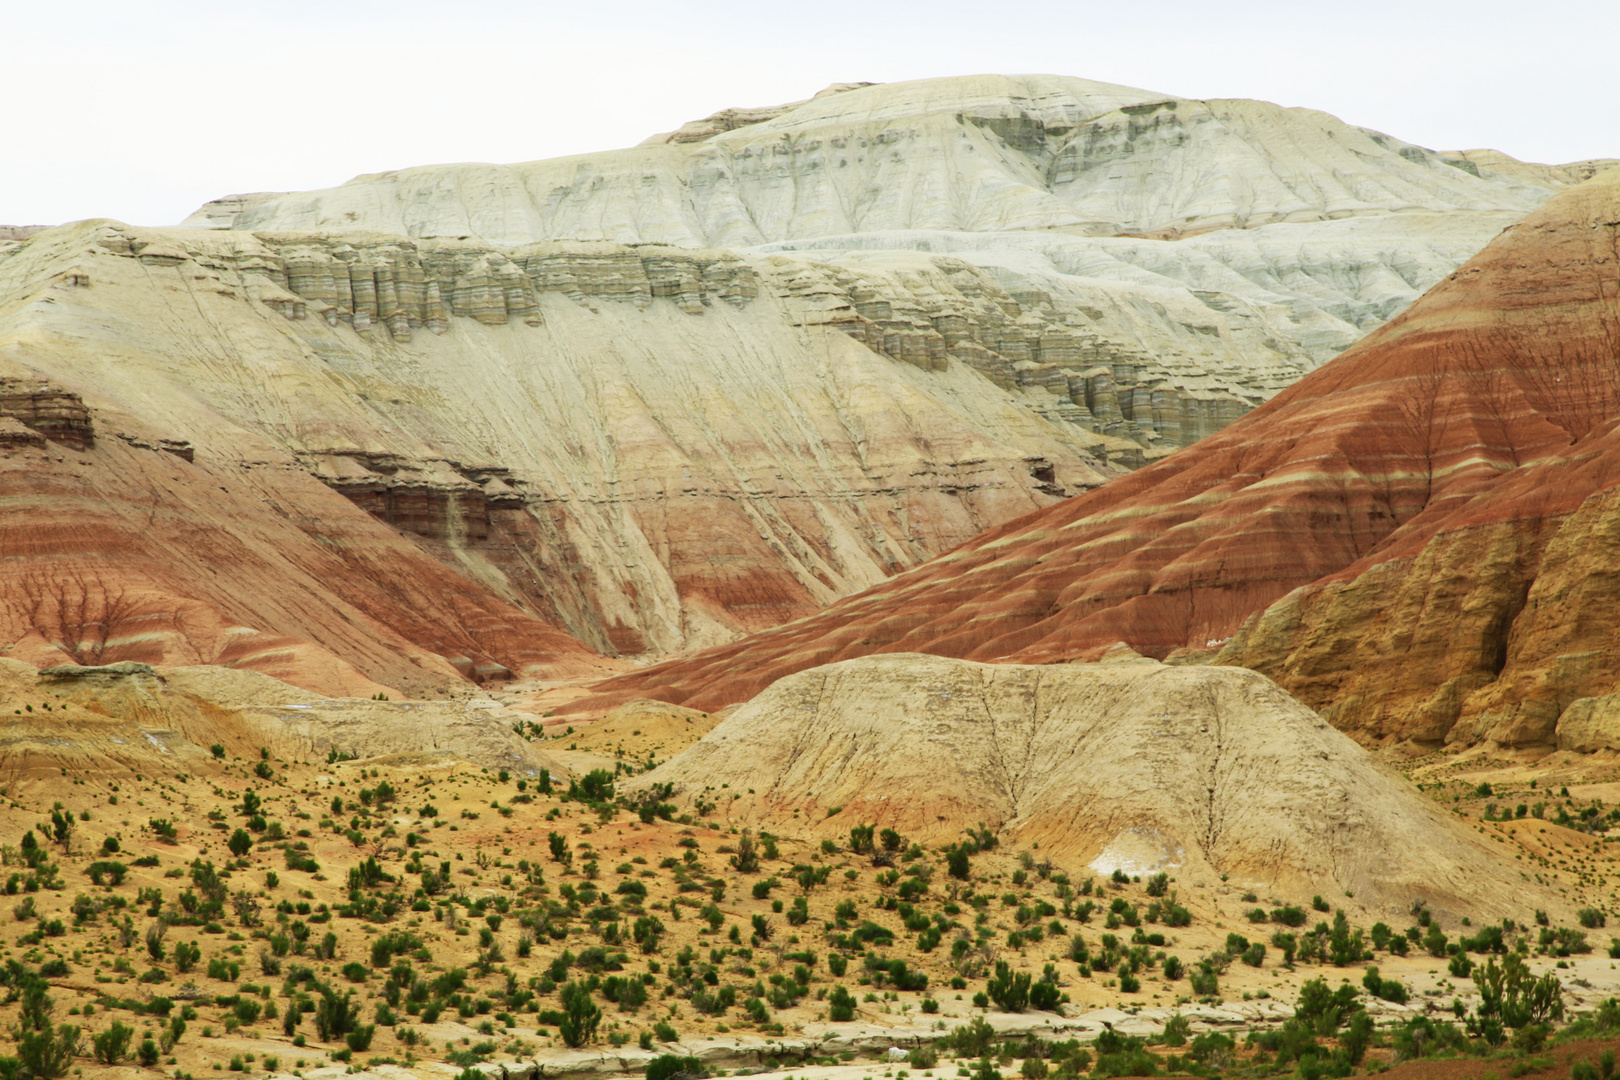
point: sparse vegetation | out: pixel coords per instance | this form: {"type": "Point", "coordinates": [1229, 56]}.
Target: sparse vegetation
{"type": "Point", "coordinates": [348, 911]}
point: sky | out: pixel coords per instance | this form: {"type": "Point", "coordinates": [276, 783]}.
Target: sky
{"type": "Point", "coordinates": [143, 111]}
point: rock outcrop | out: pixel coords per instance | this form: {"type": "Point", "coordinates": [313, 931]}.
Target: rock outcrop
{"type": "Point", "coordinates": [1208, 773]}
{"type": "Point", "coordinates": [984, 153]}
{"type": "Point", "coordinates": [1416, 539]}
{"type": "Point", "coordinates": [49, 411]}
{"type": "Point", "coordinates": [652, 447]}
{"type": "Point", "coordinates": [1294, 234]}
{"type": "Point", "coordinates": [942, 305]}
{"type": "Point", "coordinates": [125, 551]}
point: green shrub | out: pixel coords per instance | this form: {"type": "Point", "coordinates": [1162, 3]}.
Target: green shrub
{"type": "Point", "coordinates": [335, 1016]}
{"type": "Point", "coordinates": [107, 873]}
{"type": "Point", "coordinates": [1009, 989]}
{"type": "Point", "coordinates": [111, 1047]}
{"type": "Point", "coordinates": [674, 1067]}
{"type": "Point", "coordinates": [186, 955]}
{"type": "Point", "coordinates": [580, 1014]}
{"type": "Point", "coordinates": [973, 1039]}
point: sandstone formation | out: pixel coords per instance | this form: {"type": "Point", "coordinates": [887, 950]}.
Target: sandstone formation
{"type": "Point", "coordinates": [1415, 539]}
{"type": "Point", "coordinates": [123, 543]}
{"type": "Point", "coordinates": [1295, 233]}
{"type": "Point", "coordinates": [1208, 773]}
{"type": "Point", "coordinates": [126, 551]}
{"type": "Point", "coordinates": [987, 153]}
{"type": "Point", "coordinates": [942, 304]}
{"type": "Point", "coordinates": [649, 447]}
{"type": "Point", "coordinates": [1556, 176]}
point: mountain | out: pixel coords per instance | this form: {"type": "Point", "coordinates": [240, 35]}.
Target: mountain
{"type": "Point", "coordinates": [1415, 540]}
{"type": "Point", "coordinates": [650, 448]}
{"type": "Point", "coordinates": [1201, 254]}
{"type": "Point", "coordinates": [472, 449]}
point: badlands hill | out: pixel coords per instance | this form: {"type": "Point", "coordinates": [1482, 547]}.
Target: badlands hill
{"type": "Point", "coordinates": [1414, 540]}
{"type": "Point", "coordinates": [988, 153]}
{"type": "Point", "coordinates": [388, 446]}
{"type": "Point", "coordinates": [1208, 773]}
{"type": "Point", "coordinates": [364, 460]}
{"type": "Point", "coordinates": [1296, 232]}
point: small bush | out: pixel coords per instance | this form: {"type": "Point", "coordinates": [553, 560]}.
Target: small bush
{"type": "Point", "coordinates": [675, 1067]}
{"type": "Point", "coordinates": [111, 1047]}
{"type": "Point", "coordinates": [107, 872]}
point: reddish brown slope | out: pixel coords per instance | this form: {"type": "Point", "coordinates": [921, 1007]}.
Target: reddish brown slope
{"type": "Point", "coordinates": [1470, 428]}
{"type": "Point", "coordinates": [113, 548]}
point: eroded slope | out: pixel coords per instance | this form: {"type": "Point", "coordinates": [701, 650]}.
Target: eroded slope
{"type": "Point", "coordinates": [1209, 773]}
{"type": "Point", "coordinates": [651, 448]}
{"type": "Point", "coordinates": [1423, 523]}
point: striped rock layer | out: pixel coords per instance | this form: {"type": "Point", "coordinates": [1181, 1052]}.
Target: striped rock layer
{"type": "Point", "coordinates": [1417, 539]}
{"type": "Point", "coordinates": [1171, 263]}
{"type": "Point", "coordinates": [440, 459]}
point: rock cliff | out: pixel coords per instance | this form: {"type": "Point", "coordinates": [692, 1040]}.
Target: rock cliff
{"type": "Point", "coordinates": [1206, 252]}
{"type": "Point", "coordinates": [1415, 539]}
{"type": "Point", "coordinates": [938, 306]}
{"type": "Point", "coordinates": [987, 153]}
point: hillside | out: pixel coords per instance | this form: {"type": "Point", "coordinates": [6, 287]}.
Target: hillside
{"type": "Point", "coordinates": [659, 447]}
{"type": "Point", "coordinates": [650, 450]}
{"type": "Point", "coordinates": [1410, 539]}
{"type": "Point", "coordinates": [1201, 255]}
{"type": "Point", "coordinates": [1210, 774]}
{"type": "Point", "coordinates": [986, 153]}
{"type": "Point", "coordinates": [210, 863]}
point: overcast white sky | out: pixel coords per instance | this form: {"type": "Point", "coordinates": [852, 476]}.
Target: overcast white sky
{"type": "Point", "coordinates": [144, 109]}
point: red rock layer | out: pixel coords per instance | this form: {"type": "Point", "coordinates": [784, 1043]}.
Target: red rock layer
{"type": "Point", "coordinates": [1393, 515]}
{"type": "Point", "coordinates": [121, 551]}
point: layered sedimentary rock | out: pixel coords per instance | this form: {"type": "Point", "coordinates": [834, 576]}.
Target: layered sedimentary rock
{"type": "Point", "coordinates": [664, 396]}
{"type": "Point", "coordinates": [1210, 774]}
{"type": "Point", "coordinates": [980, 154]}
{"type": "Point", "coordinates": [1201, 254]}
{"type": "Point", "coordinates": [123, 551]}
{"type": "Point", "coordinates": [650, 447]}
{"type": "Point", "coordinates": [49, 411]}
{"type": "Point", "coordinates": [1556, 176]}
{"type": "Point", "coordinates": [731, 119]}
{"type": "Point", "coordinates": [1417, 539]}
